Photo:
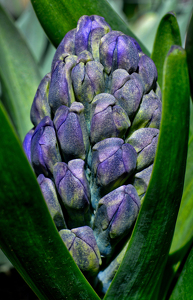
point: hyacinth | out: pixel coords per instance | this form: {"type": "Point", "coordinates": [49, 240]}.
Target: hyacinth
{"type": "Point", "coordinates": [96, 120]}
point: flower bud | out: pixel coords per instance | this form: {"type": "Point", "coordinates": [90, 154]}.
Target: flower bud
{"type": "Point", "coordinates": [90, 30]}
{"type": "Point", "coordinates": [115, 215]}
{"type": "Point", "coordinates": [40, 106]}
{"type": "Point", "coordinates": [88, 80]}
{"type": "Point", "coordinates": [118, 51]}
{"type": "Point", "coordinates": [149, 113]}
{"type": "Point", "coordinates": [67, 46]}
{"type": "Point", "coordinates": [50, 196]}
{"type": "Point", "coordinates": [71, 131]}
{"type": "Point", "coordinates": [128, 90]}
{"type": "Point", "coordinates": [144, 141]}
{"type": "Point", "coordinates": [61, 90]}
{"type": "Point", "coordinates": [27, 144]}
{"type": "Point", "coordinates": [113, 161]}
{"type": "Point", "coordinates": [147, 72]}
{"type": "Point", "coordinates": [73, 188]}
{"type": "Point", "coordinates": [108, 120]}
{"type": "Point", "coordinates": [82, 246]}
{"type": "Point", "coordinates": [44, 148]}
{"type": "Point", "coordinates": [141, 181]}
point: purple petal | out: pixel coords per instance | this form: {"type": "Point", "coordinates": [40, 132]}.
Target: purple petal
{"type": "Point", "coordinates": [27, 144]}
{"type": "Point", "coordinates": [44, 148]}
{"type": "Point", "coordinates": [40, 107]}
{"type": "Point", "coordinates": [67, 46]}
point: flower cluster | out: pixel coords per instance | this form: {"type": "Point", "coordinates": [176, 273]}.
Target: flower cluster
{"type": "Point", "coordinates": [96, 120]}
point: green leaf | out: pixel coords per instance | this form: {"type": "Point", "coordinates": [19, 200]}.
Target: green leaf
{"type": "Point", "coordinates": [19, 74]}
{"type": "Point", "coordinates": [184, 287]}
{"type": "Point", "coordinates": [148, 249]}
{"type": "Point", "coordinates": [168, 34]}
{"type": "Point", "coordinates": [28, 235]}
{"type": "Point", "coordinates": [57, 17]}
{"type": "Point", "coordinates": [189, 50]}
{"type": "Point", "coordinates": [183, 234]}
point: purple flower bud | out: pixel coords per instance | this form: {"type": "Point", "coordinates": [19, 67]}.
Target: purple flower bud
{"type": "Point", "coordinates": [113, 162]}
{"type": "Point", "coordinates": [141, 181]}
{"type": "Point", "coordinates": [115, 215]}
{"type": "Point", "coordinates": [73, 188]}
{"type": "Point", "coordinates": [50, 196]}
{"type": "Point", "coordinates": [82, 246]}
{"type": "Point", "coordinates": [118, 51]}
{"type": "Point", "coordinates": [88, 81]}
{"type": "Point", "coordinates": [147, 72]}
{"type": "Point", "coordinates": [90, 30]}
{"type": "Point", "coordinates": [128, 90]}
{"type": "Point", "coordinates": [71, 131]}
{"type": "Point", "coordinates": [144, 141]}
{"type": "Point", "coordinates": [108, 120]}
{"type": "Point", "coordinates": [67, 46]}
{"type": "Point", "coordinates": [44, 148]}
{"type": "Point", "coordinates": [40, 106]}
{"type": "Point", "coordinates": [149, 113]}
{"type": "Point", "coordinates": [27, 144]}
{"type": "Point", "coordinates": [61, 90]}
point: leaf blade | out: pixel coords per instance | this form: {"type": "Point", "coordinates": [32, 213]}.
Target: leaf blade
{"type": "Point", "coordinates": [183, 234]}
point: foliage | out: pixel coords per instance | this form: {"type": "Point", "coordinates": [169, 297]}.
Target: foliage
{"type": "Point", "coordinates": [160, 249]}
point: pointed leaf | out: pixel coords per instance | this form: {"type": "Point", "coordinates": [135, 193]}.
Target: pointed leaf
{"type": "Point", "coordinates": [57, 17]}
{"type": "Point", "coordinates": [183, 234]}
{"type": "Point", "coordinates": [28, 235]}
{"type": "Point", "coordinates": [147, 252]}
{"type": "Point", "coordinates": [19, 74]}
{"type": "Point", "coordinates": [168, 34]}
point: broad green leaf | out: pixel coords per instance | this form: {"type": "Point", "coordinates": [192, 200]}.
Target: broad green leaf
{"type": "Point", "coordinates": [183, 234]}
{"type": "Point", "coordinates": [148, 249]}
{"type": "Point", "coordinates": [184, 288]}
{"type": "Point", "coordinates": [57, 17]}
{"type": "Point", "coordinates": [168, 34]}
{"type": "Point", "coordinates": [189, 50]}
{"type": "Point", "coordinates": [19, 74]}
{"type": "Point", "coordinates": [28, 235]}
